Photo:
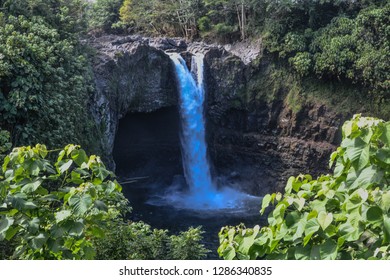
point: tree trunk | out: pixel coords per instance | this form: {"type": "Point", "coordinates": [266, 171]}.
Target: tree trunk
{"type": "Point", "coordinates": [243, 21]}
{"type": "Point", "coordinates": [239, 18]}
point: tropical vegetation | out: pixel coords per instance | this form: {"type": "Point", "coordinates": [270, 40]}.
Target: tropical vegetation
{"type": "Point", "coordinates": [63, 204]}
{"type": "Point", "coordinates": [60, 203]}
{"type": "Point", "coordinates": [345, 215]}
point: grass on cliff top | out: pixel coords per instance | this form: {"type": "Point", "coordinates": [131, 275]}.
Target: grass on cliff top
{"type": "Point", "coordinates": [278, 82]}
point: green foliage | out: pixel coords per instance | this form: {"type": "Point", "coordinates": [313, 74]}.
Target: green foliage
{"type": "Point", "coordinates": [137, 241]}
{"type": "Point", "coordinates": [104, 14]}
{"type": "Point", "coordinates": [51, 209]}
{"type": "Point", "coordinates": [150, 17]}
{"type": "Point", "coordinates": [218, 19]}
{"type": "Point", "coordinates": [302, 63]}
{"type": "Point", "coordinates": [204, 24]}
{"type": "Point", "coordinates": [340, 216]}
{"type": "Point", "coordinates": [187, 246]}
{"type": "Point", "coordinates": [67, 16]}
{"type": "Point", "coordinates": [356, 48]}
{"type": "Point", "coordinates": [347, 41]}
{"type": "Point", "coordinates": [156, 17]}
{"type": "Point", "coordinates": [5, 144]}
{"type": "Point", "coordinates": [45, 78]}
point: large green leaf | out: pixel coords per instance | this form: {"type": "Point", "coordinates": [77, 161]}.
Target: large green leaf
{"type": "Point", "coordinates": [349, 128]}
{"type": "Point", "coordinates": [33, 225]}
{"type": "Point", "coordinates": [384, 155]}
{"type": "Point", "coordinates": [281, 232]}
{"type": "Point", "coordinates": [370, 175]}
{"type": "Point", "coordinates": [62, 215]}
{"type": "Point", "coordinates": [76, 229]}
{"type": "Point", "coordinates": [315, 253]}
{"type": "Point", "coordinates": [5, 223]}
{"type": "Point", "coordinates": [292, 218]}
{"type": "Point", "coordinates": [58, 231]}
{"type": "Point", "coordinates": [325, 219]}
{"type": "Point", "coordinates": [79, 157]}
{"type": "Point", "coordinates": [358, 152]}
{"type": "Point", "coordinates": [100, 171]}
{"type": "Point", "coordinates": [299, 203]}
{"type": "Point", "coordinates": [80, 203]}
{"type": "Point", "coordinates": [34, 169]}
{"type": "Point", "coordinates": [289, 185]}
{"type": "Point", "coordinates": [229, 253]}
{"type": "Point", "coordinates": [385, 202]}
{"type": "Point", "coordinates": [38, 241]}
{"type": "Point", "coordinates": [385, 137]}
{"type": "Point", "coordinates": [76, 178]}
{"type": "Point", "coordinates": [374, 214]}
{"type": "Point", "coordinates": [245, 244]}
{"type": "Point", "coordinates": [301, 225]}
{"type": "Point", "coordinates": [265, 202]}
{"type": "Point", "coordinates": [231, 234]}
{"type": "Point", "coordinates": [328, 250]}
{"type": "Point", "coordinates": [11, 232]}
{"type": "Point", "coordinates": [278, 213]}
{"type": "Point", "coordinates": [302, 253]}
{"type": "Point", "coordinates": [65, 166]}
{"type": "Point", "coordinates": [350, 232]}
{"type": "Point", "coordinates": [18, 200]}
{"type": "Point", "coordinates": [312, 226]}
{"type": "Point", "coordinates": [100, 205]}
{"type": "Point", "coordinates": [32, 187]}
{"type": "Point", "coordinates": [54, 245]}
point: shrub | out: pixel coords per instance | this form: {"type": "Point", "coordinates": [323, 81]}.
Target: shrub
{"type": "Point", "coordinates": [137, 240]}
{"type": "Point", "coordinates": [103, 14]}
{"type": "Point", "coordinates": [68, 206]}
{"type": "Point", "coordinates": [302, 63]}
{"type": "Point", "coordinates": [52, 209]}
{"type": "Point", "coordinates": [340, 216]}
{"type": "Point", "coordinates": [204, 24]}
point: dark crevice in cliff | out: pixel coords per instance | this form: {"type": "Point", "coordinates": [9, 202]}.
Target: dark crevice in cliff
{"type": "Point", "coordinates": [148, 144]}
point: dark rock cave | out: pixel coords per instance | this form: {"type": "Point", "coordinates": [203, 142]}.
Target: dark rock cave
{"type": "Point", "coordinates": [148, 145]}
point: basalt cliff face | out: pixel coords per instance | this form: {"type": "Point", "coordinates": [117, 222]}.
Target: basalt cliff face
{"type": "Point", "coordinates": [254, 143]}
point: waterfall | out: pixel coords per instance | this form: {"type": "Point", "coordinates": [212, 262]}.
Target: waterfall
{"type": "Point", "coordinates": [202, 193]}
{"type": "Point", "coordinates": [193, 136]}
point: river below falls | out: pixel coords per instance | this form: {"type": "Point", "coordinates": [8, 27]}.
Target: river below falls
{"type": "Point", "coordinates": [164, 216]}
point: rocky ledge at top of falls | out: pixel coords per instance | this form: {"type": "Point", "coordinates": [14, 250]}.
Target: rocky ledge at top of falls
{"type": "Point", "coordinates": [253, 144]}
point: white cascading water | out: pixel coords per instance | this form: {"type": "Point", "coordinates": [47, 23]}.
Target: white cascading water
{"type": "Point", "coordinates": [202, 193]}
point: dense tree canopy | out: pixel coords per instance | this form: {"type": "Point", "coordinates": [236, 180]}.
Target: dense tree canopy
{"type": "Point", "coordinates": [349, 44]}
{"type": "Point", "coordinates": [45, 78]}
{"type": "Point", "coordinates": [103, 14]}
{"type": "Point", "coordinates": [331, 39]}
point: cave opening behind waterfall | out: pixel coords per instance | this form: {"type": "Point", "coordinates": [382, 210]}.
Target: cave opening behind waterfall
{"type": "Point", "coordinates": [147, 146]}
